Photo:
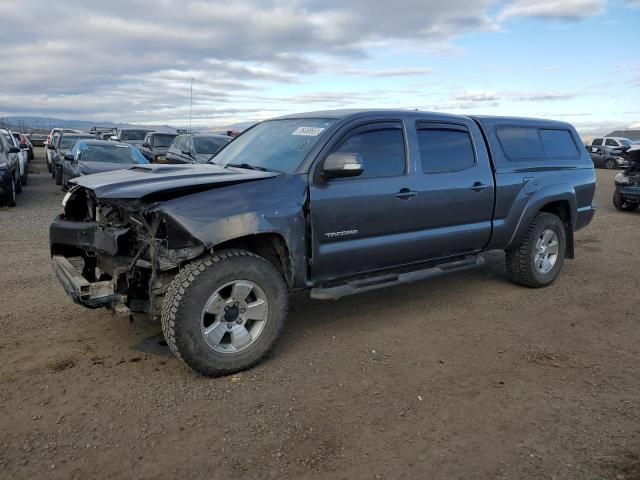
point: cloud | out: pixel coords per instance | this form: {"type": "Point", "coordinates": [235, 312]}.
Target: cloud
{"type": "Point", "coordinates": [133, 60]}
{"type": "Point", "coordinates": [477, 96]}
{"type": "Point", "coordinates": [131, 57]}
{"type": "Point", "coordinates": [543, 96]}
{"type": "Point", "coordinates": [392, 72]}
{"type": "Point", "coordinates": [552, 9]}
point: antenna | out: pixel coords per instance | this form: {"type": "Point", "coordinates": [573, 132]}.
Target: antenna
{"type": "Point", "coordinates": [190, 104]}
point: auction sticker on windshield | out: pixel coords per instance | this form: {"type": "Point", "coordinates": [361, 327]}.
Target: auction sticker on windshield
{"type": "Point", "coordinates": [308, 131]}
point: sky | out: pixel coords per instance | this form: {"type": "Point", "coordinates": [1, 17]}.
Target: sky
{"type": "Point", "coordinates": [133, 61]}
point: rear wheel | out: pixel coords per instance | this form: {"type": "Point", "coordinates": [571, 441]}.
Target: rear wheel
{"type": "Point", "coordinates": [18, 182]}
{"type": "Point", "coordinates": [225, 313]}
{"type": "Point", "coordinates": [58, 176]}
{"type": "Point", "coordinates": [610, 164]}
{"type": "Point", "coordinates": [621, 204]}
{"type": "Point", "coordinates": [539, 258]}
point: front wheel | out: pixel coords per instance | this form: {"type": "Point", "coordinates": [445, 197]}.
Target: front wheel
{"type": "Point", "coordinates": [539, 258]}
{"type": "Point", "coordinates": [621, 204]}
{"type": "Point", "coordinates": [58, 176]}
{"type": "Point", "coordinates": [225, 313]}
{"type": "Point", "coordinates": [11, 197]}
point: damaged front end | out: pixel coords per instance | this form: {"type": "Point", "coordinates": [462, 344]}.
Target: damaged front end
{"type": "Point", "coordinates": [628, 181]}
{"type": "Point", "coordinates": [118, 254]}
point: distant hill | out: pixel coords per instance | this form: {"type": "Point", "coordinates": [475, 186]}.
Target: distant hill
{"type": "Point", "coordinates": [47, 123]}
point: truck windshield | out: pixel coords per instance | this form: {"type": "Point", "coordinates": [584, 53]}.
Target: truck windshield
{"type": "Point", "coordinates": [275, 145]}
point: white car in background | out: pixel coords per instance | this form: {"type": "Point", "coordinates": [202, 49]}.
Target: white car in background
{"type": "Point", "coordinates": [49, 153]}
{"type": "Point", "coordinates": [23, 156]}
{"type": "Point", "coordinates": [611, 142]}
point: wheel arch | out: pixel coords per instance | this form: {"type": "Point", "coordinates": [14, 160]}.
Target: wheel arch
{"type": "Point", "coordinates": [272, 246]}
{"type": "Point", "coordinates": [559, 200]}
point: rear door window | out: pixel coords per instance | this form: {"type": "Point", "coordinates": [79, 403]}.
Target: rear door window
{"type": "Point", "coordinates": [445, 149]}
{"type": "Point", "coordinates": [521, 143]}
{"type": "Point", "coordinates": [558, 143]}
{"type": "Point", "coordinates": [597, 141]}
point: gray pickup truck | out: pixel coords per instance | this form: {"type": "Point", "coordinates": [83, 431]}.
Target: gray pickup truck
{"type": "Point", "coordinates": [335, 203]}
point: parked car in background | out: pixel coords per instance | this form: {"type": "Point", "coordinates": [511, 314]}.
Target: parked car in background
{"type": "Point", "coordinates": [9, 173]}
{"type": "Point", "coordinates": [21, 157]}
{"type": "Point", "coordinates": [50, 140]}
{"type": "Point", "coordinates": [25, 144]}
{"type": "Point", "coordinates": [103, 133]}
{"type": "Point", "coordinates": [37, 140]}
{"type": "Point", "coordinates": [156, 145]}
{"type": "Point", "coordinates": [335, 203]}
{"type": "Point", "coordinates": [604, 157]}
{"type": "Point", "coordinates": [95, 156]}
{"type": "Point", "coordinates": [626, 198]}
{"type": "Point", "coordinates": [611, 142]}
{"type": "Point", "coordinates": [134, 136]}
{"type": "Point", "coordinates": [195, 147]}
{"type": "Point", "coordinates": [63, 143]}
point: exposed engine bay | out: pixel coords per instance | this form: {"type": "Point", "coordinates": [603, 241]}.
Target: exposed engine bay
{"type": "Point", "coordinates": [631, 175]}
{"type": "Point", "coordinates": [127, 248]}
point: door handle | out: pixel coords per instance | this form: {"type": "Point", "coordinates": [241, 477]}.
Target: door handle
{"type": "Point", "coordinates": [406, 194]}
{"type": "Point", "coordinates": [479, 187]}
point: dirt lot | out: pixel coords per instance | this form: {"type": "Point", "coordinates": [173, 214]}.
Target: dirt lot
{"type": "Point", "coordinates": [466, 376]}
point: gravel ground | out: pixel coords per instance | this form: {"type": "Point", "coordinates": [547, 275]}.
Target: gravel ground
{"type": "Point", "coordinates": [466, 376]}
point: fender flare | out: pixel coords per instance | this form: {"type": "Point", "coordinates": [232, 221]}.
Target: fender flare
{"type": "Point", "coordinates": [559, 192]}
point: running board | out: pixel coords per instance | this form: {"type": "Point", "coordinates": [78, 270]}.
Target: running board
{"type": "Point", "coordinates": [388, 280]}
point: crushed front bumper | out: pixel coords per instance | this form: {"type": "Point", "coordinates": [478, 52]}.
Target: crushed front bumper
{"type": "Point", "coordinates": [631, 194]}
{"type": "Point", "coordinates": [85, 235]}
{"type": "Point", "coordinates": [83, 292]}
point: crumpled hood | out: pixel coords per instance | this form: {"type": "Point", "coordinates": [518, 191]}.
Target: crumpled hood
{"type": "Point", "coordinates": [89, 168]}
{"type": "Point", "coordinates": [141, 180]}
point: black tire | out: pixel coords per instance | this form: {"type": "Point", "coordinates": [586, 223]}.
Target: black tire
{"type": "Point", "coordinates": [610, 164]}
{"type": "Point", "coordinates": [520, 261]}
{"type": "Point", "coordinates": [24, 178]}
{"type": "Point", "coordinates": [18, 182]}
{"type": "Point", "coordinates": [621, 205]}
{"type": "Point", "coordinates": [11, 198]}
{"type": "Point", "coordinates": [58, 176]}
{"type": "Point", "coordinates": [190, 290]}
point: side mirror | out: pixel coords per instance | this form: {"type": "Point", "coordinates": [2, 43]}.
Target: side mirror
{"type": "Point", "coordinates": [68, 157]}
{"type": "Point", "coordinates": [186, 152]}
{"type": "Point", "coordinates": [114, 138]}
{"type": "Point", "coordinates": [24, 146]}
{"type": "Point", "coordinates": [341, 165]}
{"type": "Point", "coordinates": [51, 146]}
{"type": "Point", "coordinates": [146, 145]}
{"type": "Point", "coordinates": [14, 150]}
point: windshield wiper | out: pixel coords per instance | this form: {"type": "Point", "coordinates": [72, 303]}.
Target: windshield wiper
{"type": "Point", "coordinates": [246, 165]}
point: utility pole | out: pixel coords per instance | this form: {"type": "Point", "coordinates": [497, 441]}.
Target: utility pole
{"type": "Point", "coordinates": [190, 104]}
